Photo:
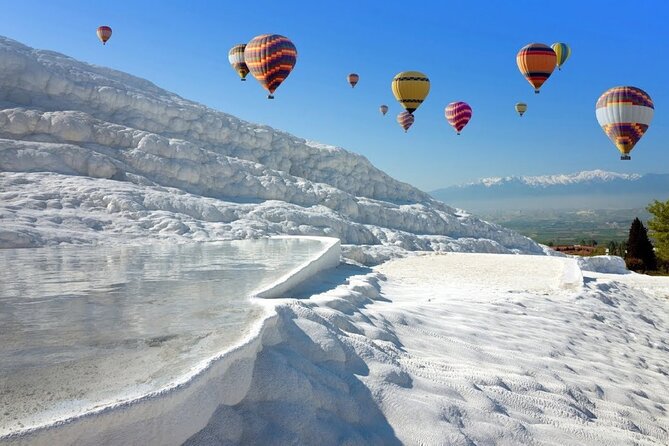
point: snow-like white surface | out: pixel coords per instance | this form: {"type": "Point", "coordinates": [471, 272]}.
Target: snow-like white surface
{"type": "Point", "coordinates": [92, 155]}
{"type": "Point", "coordinates": [461, 349]}
{"type": "Point", "coordinates": [603, 264]}
{"type": "Point", "coordinates": [587, 176]}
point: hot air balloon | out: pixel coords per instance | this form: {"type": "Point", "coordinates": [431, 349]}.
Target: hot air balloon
{"type": "Point", "coordinates": [562, 52]}
{"type": "Point", "coordinates": [236, 59]}
{"type": "Point", "coordinates": [383, 109]}
{"type": "Point", "coordinates": [410, 89]}
{"type": "Point", "coordinates": [405, 119]}
{"type": "Point", "coordinates": [521, 108]}
{"type": "Point", "coordinates": [104, 33]}
{"type": "Point", "coordinates": [270, 59]}
{"type": "Point", "coordinates": [624, 114]}
{"type": "Point", "coordinates": [458, 115]}
{"type": "Point", "coordinates": [353, 79]}
{"type": "Point", "coordinates": [536, 62]}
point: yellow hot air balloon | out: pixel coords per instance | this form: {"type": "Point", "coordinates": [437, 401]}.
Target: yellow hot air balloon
{"type": "Point", "coordinates": [521, 108]}
{"type": "Point", "coordinates": [562, 51]}
{"type": "Point", "coordinates": [410, 89]}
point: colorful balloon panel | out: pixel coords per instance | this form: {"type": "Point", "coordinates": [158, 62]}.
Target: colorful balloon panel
{"type": "Point", "coordinates": [270, 59]}
{"type": "Point", "coordinates": [383, 109]}
{"type": "Point", "coordinates": [410, 89]}
{"type": "Point", "coordinates": [562, 53]}
{"type": "Point", "coordinates": [236, 59]}
{"type": "Point", "coordinates": [104, 33]}
{"type": "Point", "coordinates": [458, 115]}
{"type": "Point", "coordinates": [536, 62]}
{"type": "Point", "coordinates": [624, 113]}
{"type": "Point", "coordinates": [353, 79]}
{"type": "Point", "coordinates": [405, 120]}
{"type": "Point", "coordinates": [521, 108]}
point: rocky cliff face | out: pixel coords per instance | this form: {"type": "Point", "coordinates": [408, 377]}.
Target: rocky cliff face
{"type": "Point", "coordinates": [92, 154]}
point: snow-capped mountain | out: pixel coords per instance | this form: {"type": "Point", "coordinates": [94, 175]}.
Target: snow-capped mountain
{"type": "Point", "coordinates": [89, 154]}
{"type": "Point", "coordinates": [588, 189]}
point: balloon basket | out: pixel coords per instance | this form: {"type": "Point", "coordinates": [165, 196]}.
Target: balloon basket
{"type": "Point", "coordinates": [625, 157]}
{"type": "Point", "coordinates": [243, 80]}
{"type": "Point", "coordinates": [269, 96]}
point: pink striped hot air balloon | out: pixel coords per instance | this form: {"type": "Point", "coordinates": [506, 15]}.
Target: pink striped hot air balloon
{"type": "Point", "coordinates": [104, 33]}
{"type": "Point", "coordinates": [405, 120]}
{"type": "Point", "coordinates": [458, 115]}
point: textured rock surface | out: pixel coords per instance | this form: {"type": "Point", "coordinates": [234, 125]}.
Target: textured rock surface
{"type": "Point", "coordinates": [86, 150]}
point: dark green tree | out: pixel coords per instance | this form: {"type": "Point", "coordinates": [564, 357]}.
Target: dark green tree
{"type": "Point", "coordinates": [613, 248]}
{"type": "Point", "coordinates": [640, 255]}
{"type": "Point", "coordinates": [659, 227]}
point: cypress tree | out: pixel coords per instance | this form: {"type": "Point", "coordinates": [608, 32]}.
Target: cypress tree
{"type": "Point", "coordinates": [640, 254]}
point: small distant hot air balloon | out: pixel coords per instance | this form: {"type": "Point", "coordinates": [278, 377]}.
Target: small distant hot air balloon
{"type": "Point", "coordinates": [624, 114]}
{"type": "Point", "coordinates": [562, 52]}
{"type": "Point", "coordinates": [405, 120]}
{"type": "Point", "coordinates": [383, 109]}
{"type": "Point", "coordinates": [410, 89]}
{"type": "Point", "coordinates": [521, 108]}
{"type": "Point", "coordinates": [104, 33]}
{"type": "Point", "coordinates": [458, 115]}
{"type": "Point", "coordinates": [236, 59]}
{"type": "Point", "coordinates": [536, 62]}
{"type": "Point", "coordinates": [353, 79]}
{"type": "Point", "coordinates": [270, 59]}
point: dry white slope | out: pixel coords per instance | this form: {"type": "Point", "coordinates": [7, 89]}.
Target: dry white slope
{"type": "Point", "coordinates": [89, 154]}
{"type": "Point", "coordinates": [461, 349]}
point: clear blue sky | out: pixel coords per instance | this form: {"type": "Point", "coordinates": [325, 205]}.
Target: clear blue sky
{"type": "Point", "coordinates": [467, 48]}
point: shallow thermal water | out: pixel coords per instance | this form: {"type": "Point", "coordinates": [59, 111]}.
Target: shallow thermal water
{"type": "Point", "coordinates": [85, 327]}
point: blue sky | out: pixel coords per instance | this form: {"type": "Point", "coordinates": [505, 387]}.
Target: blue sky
{"type": "Point", "coordinates": [467, 49]}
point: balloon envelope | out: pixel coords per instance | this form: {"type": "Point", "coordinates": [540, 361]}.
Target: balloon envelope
{"type": "Point", "coordinates": [410, 89]}
{"type": "Point", "coordinates": [405, 120]}
{"type": "Point", "coordinates": [270, 59]}
{"type": "Point", "coordinates": [536, 62]}
{"type": "Point", "coordinates": [104, 33]}
{"type": "Point", "coordinates": [458, 115]}
{"type": "Point", "coordinates": [562, 53]}
{"type": "Point", "coordinates": [521, 108]}
{"type": "Point", "coordinates": [236, 59]}
{"type": "Point", "coordinates": [624, 113]}
{"type": "Point", "coordinates": [383, 109]}
{"type": "Point", "coordinates": [353, 79]}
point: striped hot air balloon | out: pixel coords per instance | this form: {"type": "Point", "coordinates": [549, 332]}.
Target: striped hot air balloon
{"type": "Point", "coordinates": [521, 108]}
{"type": "Point", "coordinates": [383, 109]}
{"type": "Point", "coordinates": [562, 52]}
{"type": "Point", "coordinates": [458, 115]}
{"type": "Point", "coordinates": [405, 120]}
{"type": "Point", "coordinates": [236, 59]}
{"type": "Point", "coordinates": [536, 62]}
{"type": "Point", "coordinates": [104, 33]}
{"type": "Point", "coordinates": [270, 59]}
{"type": "Point", "coordinates": [353, 79]}
{"type": "Point", "coordinates": [410, 89]}
{"type": "Point", "coordinates": [624, 114]}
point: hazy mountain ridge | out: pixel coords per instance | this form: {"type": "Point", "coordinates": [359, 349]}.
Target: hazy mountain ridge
{"type": "Point", "coordinates": [88, 152]}
{"type": "Point", "coordinates": [595, 189]}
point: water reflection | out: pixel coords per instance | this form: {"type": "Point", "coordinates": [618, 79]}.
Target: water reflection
{"type": "Point", "coordinates": [96, 324]}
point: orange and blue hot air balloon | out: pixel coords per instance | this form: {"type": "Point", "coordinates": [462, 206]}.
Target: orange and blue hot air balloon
{"type": "Point", "coordinates": [458, 115]}
{"type": "Point", "coordinates": [536, 62]}
{"type": "Point", "coordinates": [104, 33]}
{"type": "Point", "coordinates": [353, 79]}
{"type": "Point", "coordinates": [624, 113]}
{"type": "Point", "coordinates": [405, 120]}
{"type": "Point", "coordinates": [270, 59]}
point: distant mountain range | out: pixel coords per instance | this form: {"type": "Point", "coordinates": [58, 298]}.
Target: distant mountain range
{"type": "Point", "coordinates": [595, 189]}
